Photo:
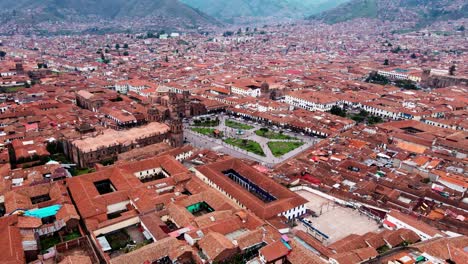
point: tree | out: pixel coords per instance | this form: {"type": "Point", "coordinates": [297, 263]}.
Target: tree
{"type": "Point", "coordinates": [117, 46]}
{"type": "Point", "coordinates": [386, 62]}
{"type": "Point", "coordinates": [396, 50]}
{"type": "Point", "coordinates": [461, 28]}
{"type": "Point", "coordinates": [244, 142]}
{"type": "Point", "coordinates": [336, 110]}
{"type": "Point", "coordinates": [363, 113]}
{"type": "Point", "coordinates": [406, 84]}
{"type": "Point", "coordinates": [413, 56]}
{"type": "Point", "coordinates": [2, 54]}
{"type": "Point", "coordinates": [125, 46]}
{"type": "Point", "coordinates": [374, 77]}
{"type": "Point", "coordinates": [166, 59]}
{"type": "Point", "coordinates": [125, 53]}
{"type": "Point", "coordinates": [452, 70]}
{"type": "Point", "coordinates": [228, 34]}
{"type": "Point", "coordinates": [374, 120]}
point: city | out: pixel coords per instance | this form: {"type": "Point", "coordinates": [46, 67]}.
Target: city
{"type": "Point", "coordinates": [192, 132]}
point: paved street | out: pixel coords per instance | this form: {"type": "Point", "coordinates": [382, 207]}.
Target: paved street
{"type": "Point", "coordinates": [203, 141]}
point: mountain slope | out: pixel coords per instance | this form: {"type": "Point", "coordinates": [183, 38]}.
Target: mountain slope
{"type": "Point", "coordinates": [421, 12]}
{"type": "Point", "coordinates": [108, 9]}
{"type": "Point", "coordinates": [226, 10]}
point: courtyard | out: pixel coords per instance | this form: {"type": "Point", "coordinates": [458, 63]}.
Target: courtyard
{"type": "Point", "coordinates": [334, 220]}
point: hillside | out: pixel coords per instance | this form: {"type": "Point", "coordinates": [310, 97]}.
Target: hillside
{"type": "Point", "coordinates": [421, 12]}
{"type": "Point", "coordinates": [50, 10]}
{"type": "Point", "coordinates": [226, 10]}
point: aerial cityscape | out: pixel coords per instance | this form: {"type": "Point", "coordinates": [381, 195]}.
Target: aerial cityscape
{"type": "Point", "coordinates": [233, 131]}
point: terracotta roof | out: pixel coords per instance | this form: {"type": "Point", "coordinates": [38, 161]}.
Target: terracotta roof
{"type": "Point", "coordinates": [439, 247]}
{"type": "Point", "coordinates": [414, 222]}
{"type": "Point", "coordinates": [76, 259]}
{"type": "Point", "coordinates": [250, 239]}
{"type": "Point", "coordinates": [28, 222]}
{"type": "Point", "coordinates": [153, 223]}
{"type": "Point", "coordinates": [374, 240]}
{"type": "Point", "coordinates": [169, 246]}
{"type": "Point", "coordinates": [348, 243]}
{"type": "Point", "coordinates": [285, 199]}
{"type": "Point", "coordinates": [214, 244]}
{"type": "Point", "coordinates": [10, 243]}
{"type": "Point", "coordinates": [355, 256]}
{"type": "Point", "coordinates": [300, 255]}
{"type": "Point", "coordinates": [274, 251]}
{"type": "Point", "coordinates": [311, 241]}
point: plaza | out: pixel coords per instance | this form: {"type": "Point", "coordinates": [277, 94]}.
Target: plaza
{"type": "Point", "coordinates": [268, 151]}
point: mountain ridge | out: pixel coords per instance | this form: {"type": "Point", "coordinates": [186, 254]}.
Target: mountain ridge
{"type": "Point", "coordinates": [107, 9]}
{"type": "Point", "coordinates": [226, 10]}
{"type": "Point", "coordinates": [421, 12]}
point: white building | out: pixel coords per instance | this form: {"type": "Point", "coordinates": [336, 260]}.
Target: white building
{"type": "Point", "coordinates": [395, 220]}
{"type": "Point", "coordinates": [252, 91]}
{"type": "Point", "coordinates": [311, 103]}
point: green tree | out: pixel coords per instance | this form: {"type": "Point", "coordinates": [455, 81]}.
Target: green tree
{"type": "Point", "coordinates": [125, 46]}
{"type": "Point", "coordinates": [406, 84]}
{"type": "Point", "coordinates": [452, 70]}
{"type": "Point", "coordinates": [413, 56]}
{"type": "Point", "coordinates": [364, 113]}
{"type": "Point", "coordinates": [374, 120]}
{"type": "Point", "coordinates": [117, 46]}
{"type": "Point", "coordinates": [396, 50]}
{"type": "Point", "coordinates": [2, 54]}
{"type": "Point", "coordinates": [338, 111]}
{"type": "Point", "coordinates": [386, 62]}
{"type": "Point", "coordinates": [374, 77]}
{"type": "Point", "coordinates": [125, 53]}
{"type": "Point", "coordinates": [244, 142]}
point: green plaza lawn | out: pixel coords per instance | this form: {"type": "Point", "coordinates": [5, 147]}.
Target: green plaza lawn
{"type": "Point", "coordinates": [263, 132]}
{"type": "Point", "coordinates": [245, 144]}
{"type": "Point", "coordinates": [279, 148]}
{"type": "Point", "coordinates": [206, 123]}
{"type": "Point", "coordinates": [206, 131]}
{"type": "Point", "coordinates": [237, 125]}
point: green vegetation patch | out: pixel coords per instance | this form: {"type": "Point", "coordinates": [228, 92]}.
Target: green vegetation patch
{"type": "Point", "coordinates": [206, 122]}
{"type": "Point", "coordinates": [377, 79]}
{"type": "Point", "coordinates": [238, 125]}
{"type": "Point", "coordinates": [71, 236]}
{"type": "Point", "coordinates": [279, 148]}
{"type": "Point", "coordinates": [246, 144]}
{"type": "Point", "coordinates": [207, 131]}
{"type": "Point", "coordinates": [118, 239]}
{"type": "Point", "coordinates": [49, 241]}
{"type": "Point", "coordinates": [78, 172]}
{"type": "Point", "coordinates": [264, 132]}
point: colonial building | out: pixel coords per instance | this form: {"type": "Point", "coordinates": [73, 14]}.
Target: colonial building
{"type": "Point", "coordinates": [106, 145]}
{"type": "Point", "coordinates": [251, 189]}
